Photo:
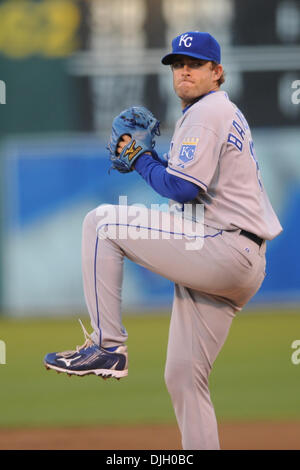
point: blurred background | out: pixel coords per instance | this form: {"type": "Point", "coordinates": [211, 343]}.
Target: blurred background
{"type": "Point", "coordinates": [67, 68]}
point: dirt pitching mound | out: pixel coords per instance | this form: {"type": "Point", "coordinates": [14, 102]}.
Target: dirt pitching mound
{"type": "Point", "coordinates": [233, 436]}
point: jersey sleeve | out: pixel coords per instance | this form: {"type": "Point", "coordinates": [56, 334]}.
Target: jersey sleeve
{"type": "Point", "coordinates": [195, 154]}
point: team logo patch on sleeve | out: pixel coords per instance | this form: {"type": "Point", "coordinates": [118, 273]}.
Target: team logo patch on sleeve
{"type": "Point", "coordinates": [187, 152]}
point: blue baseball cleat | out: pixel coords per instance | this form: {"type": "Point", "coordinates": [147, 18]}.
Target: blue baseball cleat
{"type": "Point", "coordinates": [90, 359]}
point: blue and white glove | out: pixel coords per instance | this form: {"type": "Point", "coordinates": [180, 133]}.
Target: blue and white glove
{"type": "Point", "coordinates": [140, 124]}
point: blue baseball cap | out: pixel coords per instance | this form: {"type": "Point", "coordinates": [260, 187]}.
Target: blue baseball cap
{"type": "Point", "coordinates": [194, 44]}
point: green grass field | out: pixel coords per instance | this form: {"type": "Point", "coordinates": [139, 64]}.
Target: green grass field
{"type": "Point", "coordinates": [253, 377]}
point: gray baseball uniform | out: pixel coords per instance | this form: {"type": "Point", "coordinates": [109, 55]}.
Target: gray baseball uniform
{"type": "Point", "coordinates": [212, 147]}
{"type": "Point", "coordinates": [215, 151]}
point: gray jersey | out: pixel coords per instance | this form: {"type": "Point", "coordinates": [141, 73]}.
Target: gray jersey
{"type": "Point", "coordinates": [213, 148]}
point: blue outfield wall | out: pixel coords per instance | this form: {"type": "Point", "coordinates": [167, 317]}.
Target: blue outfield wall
{"type": "Point", "coordinates": [52, 182]}
{"type": "Point", "coordinates": [282, 282]}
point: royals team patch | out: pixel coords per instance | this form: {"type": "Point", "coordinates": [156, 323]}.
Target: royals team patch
{"type": "Point", "coordinates": [187, 152]}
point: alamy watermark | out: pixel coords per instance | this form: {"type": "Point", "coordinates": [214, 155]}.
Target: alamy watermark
{"type": "Point", "coordinates": [296, 94]}
{"type": "Point", "coordinates": [159, 222]}
{"type": "Point", "coordinates": [296, 354]}
{"type": "Point", "coordinates": [2, 92]}
{"type": "Point", "coordinates": [2, 352]}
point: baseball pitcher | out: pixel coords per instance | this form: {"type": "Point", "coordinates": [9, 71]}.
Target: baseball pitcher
{"type": "Point", "coordinates": [212, 164]}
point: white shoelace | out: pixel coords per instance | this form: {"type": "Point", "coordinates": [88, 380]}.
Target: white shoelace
{"type": "Point", "coordinates": [88, 340]}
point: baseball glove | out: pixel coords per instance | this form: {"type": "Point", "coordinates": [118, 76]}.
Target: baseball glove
{"type": "Point", "coordinates": [140, 124]}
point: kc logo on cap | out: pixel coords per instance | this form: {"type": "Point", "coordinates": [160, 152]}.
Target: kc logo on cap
{"type": "Point", "coordinates": [186, 39]}
{"type": "Point", "coordinates": [194, 44]}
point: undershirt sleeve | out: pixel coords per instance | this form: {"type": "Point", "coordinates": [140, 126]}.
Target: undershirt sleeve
{"type": "Point", "coordinates": [167, 185]}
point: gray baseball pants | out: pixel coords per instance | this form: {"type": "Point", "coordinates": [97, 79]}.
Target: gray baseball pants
{"type": "Point", "coordinates": [212, 283]}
